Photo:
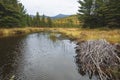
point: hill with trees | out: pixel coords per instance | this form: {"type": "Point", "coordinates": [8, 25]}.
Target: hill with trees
{"type": "Point", "coordinates": [70, 21]}
{"type": "Point", "coordinates": [60, 16]}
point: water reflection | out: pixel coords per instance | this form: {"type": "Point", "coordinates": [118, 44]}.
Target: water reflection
{"type": "Point", "coordinates": [53, 37]}
{"type": "Point", "coordinates": [37, 57]}
{"type": "Point", "coordinates": [9, 49]}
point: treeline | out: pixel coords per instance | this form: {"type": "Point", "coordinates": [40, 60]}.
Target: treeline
{"type": "Point", "coordinates": [69, 22]}
{"type": "Point", "coordinates": [99, 13]}
{"type": "Point", "coordinates": [65, 23]}
{"type": "Point", "coordinates": [38, 21]}
{"type": "Point", "coordinates": [13, 14]}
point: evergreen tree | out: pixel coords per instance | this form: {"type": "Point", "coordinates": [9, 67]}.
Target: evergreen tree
{"type": "Point", "coordinates": [113, 14]}
{"type": "Point", "coordinates": [11, 13]}
{"type": "Point", "coordinates": [49, 22]}
{"type": "Point", "coordinates": [43, 23]}
{"type": "Point", "coordinates": [22, 13]}
{"type": "Point", "coordinates": [29, 20]}
{"type": "Point", "coordinates": [85, 12]}
{"type": "Point", "coordinates": [99, 13]}
{"type": "Point", "coordinates": [37, 20]}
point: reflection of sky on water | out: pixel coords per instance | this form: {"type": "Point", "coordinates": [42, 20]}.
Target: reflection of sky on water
{"type": "Point", "coordinates": [37, 57]}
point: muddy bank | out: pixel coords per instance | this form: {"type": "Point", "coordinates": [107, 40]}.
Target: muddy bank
{"type": "Point", "coordinates": [98, 58]}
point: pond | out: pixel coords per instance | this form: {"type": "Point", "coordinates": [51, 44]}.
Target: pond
{"type": "Point", "coordinates": [38, 56]}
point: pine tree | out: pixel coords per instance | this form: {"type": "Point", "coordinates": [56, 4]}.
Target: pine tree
{"type": "Point", "coordinates": [99, 13]}
{"type": "Point", "coordinates": [43, 22]}
{"type": "Point", "coordinates": [37, 20]}
{"type": "Point", "coordinates": [85, 12]}
{"type": "Point", "coordinates": [49, 22]}
{"type": "Point", "coordinates": [22, 14]}
{"type": "Point", "coordinates": [29, 20]}
{"type": "Point", "coordinates": [11, 13]}
{"type": "Point", "coordinates": [113, 14]}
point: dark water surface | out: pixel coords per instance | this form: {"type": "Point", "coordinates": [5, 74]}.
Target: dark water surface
{"type": "Point", "coordinates": [38, 57]}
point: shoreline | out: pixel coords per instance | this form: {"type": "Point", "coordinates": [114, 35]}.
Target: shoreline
{"type": "Point", "coordinates": [76, 34]}
{"type": "Point", "coordinates": [17, 31]}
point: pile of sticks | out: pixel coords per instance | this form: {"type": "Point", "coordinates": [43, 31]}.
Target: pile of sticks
{"type": "Point", "coordinates": [97, 57]}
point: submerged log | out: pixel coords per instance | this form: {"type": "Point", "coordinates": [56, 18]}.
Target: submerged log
{"type": "Point", "coordinates": [98, 57]}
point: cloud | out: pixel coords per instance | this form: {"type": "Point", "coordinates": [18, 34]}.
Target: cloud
{"type": "Point", "coordinates": [51, 7]}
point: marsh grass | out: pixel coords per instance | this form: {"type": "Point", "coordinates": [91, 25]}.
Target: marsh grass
{"type": "Point", "coordinates": [18, 31]}
{"type": "Point", "coordinates": [73, 33]}
{"type": "Point", "coordinates": [91, 34]}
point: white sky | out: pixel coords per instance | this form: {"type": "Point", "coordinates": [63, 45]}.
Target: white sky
{"type": "Point", "coordinates": [51, 7]}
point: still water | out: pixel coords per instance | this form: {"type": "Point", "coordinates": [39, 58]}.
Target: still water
{"type": "Point", "coordinates": [38, 57]}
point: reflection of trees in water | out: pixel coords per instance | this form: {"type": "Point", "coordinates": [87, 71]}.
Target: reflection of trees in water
{"type": "Point", "coordinates": [56, 36]}
{"type": "Point", "coordinates": [9, 52]}
{"type": "Point", "coordinates": [98, 58]}
{"type": "Point", "coordinates": [53, 37]}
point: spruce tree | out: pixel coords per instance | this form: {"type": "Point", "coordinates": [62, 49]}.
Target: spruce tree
{"type": "Point", "coordinates": [99, 13]}
{"type": "Point", "coordinates": [43, 22]}
{"type": "Point", "coordinates": [37, 20]}
{"type": "Point", "coordinates": [49, 22]}
{"type": "Point", "coordinates": [113, 14]}
{"type": "Point", "coordinates": [85, 12]}
{"type": "Point", "coordinates": [11, 13]}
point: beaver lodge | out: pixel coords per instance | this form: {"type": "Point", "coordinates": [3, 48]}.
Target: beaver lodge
{"type": "Point", "coordinates": [98, 58]}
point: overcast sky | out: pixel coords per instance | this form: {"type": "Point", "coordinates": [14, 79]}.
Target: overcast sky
{"type": "Point", "coordinates": [51, 7]}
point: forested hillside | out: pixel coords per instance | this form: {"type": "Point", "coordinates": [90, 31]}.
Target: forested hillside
{"type": "Point", "coordinates": [70, 21]}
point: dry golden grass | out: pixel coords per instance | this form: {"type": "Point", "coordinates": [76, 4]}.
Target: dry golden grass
{"type": "Point", "coordinates": [90, 34]}
{"type": "Point", "coordinates": [73, 33]}
{"type": "Point", "coordinates": [18, 31]}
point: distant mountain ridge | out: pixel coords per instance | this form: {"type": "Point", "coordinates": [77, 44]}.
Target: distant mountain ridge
{"type": "Point", "coordinates": [40, 16]}
{"type": "Point", "coordinates": [60, 16]}
{"type": "Point", "coordinates": [55, 17]}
